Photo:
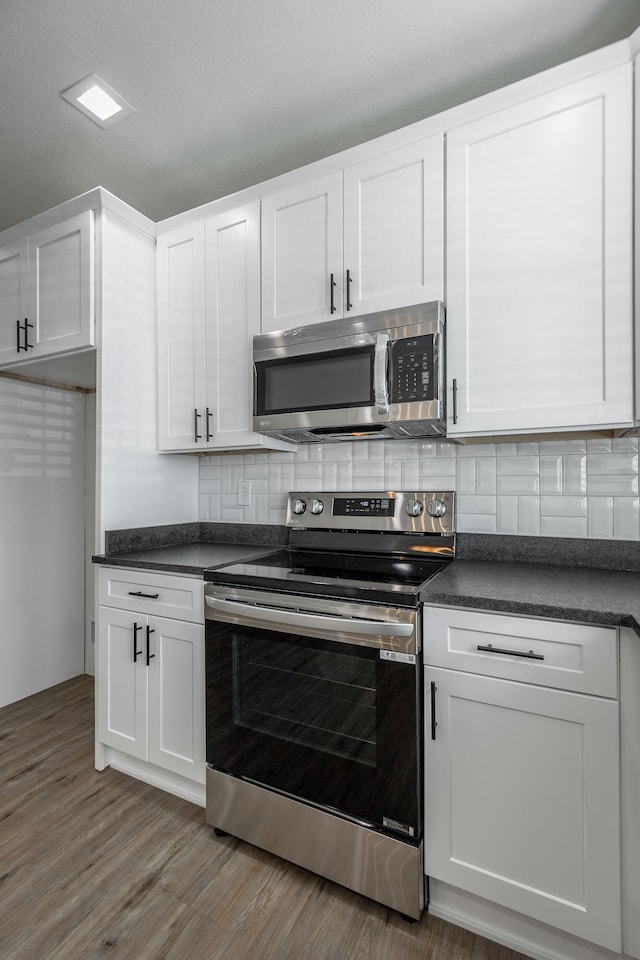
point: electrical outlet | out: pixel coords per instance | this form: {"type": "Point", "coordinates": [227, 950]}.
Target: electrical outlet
{"type": "Point", "coordinates": [244, 493]}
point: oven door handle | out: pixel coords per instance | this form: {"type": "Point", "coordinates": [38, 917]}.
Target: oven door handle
{"type": "Point", "coordinates": [368, 633]}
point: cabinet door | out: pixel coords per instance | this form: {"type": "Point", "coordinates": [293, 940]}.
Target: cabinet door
{"type": "Point", "coordinates": [539, 319]}
{"type": "Point", "coordinates": [122, 681]}
{"type": "Point", "coordinates": [522, 800]}
{"type": "Point", "coordinates": [61, 260]}
{"type": "Point", "coordinates": [176, 697]}
{"type": "Point", "coordinates": [233, 317]}
{"type": "Point", "coordinates": [16, 299]}
{"type": "Point", "coordinates": [394, 228]}
{"type": "Point", "coordinates": [301, 251]}
{"type": "Point", "coordinates": [181, 339]}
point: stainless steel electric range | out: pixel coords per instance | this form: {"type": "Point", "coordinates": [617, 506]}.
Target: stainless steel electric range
{"type": "Point", "coordinates": [314, 692]}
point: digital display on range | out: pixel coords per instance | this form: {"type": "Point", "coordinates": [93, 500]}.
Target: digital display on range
{"type": "Point", "coordinates": [364, 507]}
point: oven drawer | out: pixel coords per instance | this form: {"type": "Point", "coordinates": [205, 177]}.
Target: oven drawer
{"type": "Point", "coordinates": [569, 656]}
{"type": "Point", "coordinates": [163, 594]}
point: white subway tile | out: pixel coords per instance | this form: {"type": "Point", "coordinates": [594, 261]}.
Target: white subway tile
{"type": "Point", "coordinates": [603, 486]}
{"type": "Point", "coordinates": [621, 463]}
{"type": "Point", "coordinates": [402, 449]}
{"type": "Point", "coordinates": [563, 526]}
{"type": "Point", "coordinates": [210, 486]}
{"type": "Point", "coordinates": [507, 517]}
{"type": "Point", "coordinates": [302, 452]}
{"type": "Point", "coordinates": [624, 445]}
{"type": "Point", "coordinates": [259, 486]}
{"type": "Point", "coordinates": [528, 449]}
{"type": "Point", "coordinates": [600, 445]}
{"type": "Point", "coordinates": [261, 514]}
{"type": "Point", "coordinates": [393, 474]}
{"type": "Point", "coordinates": [282, 456]}
{"type": "Point", "coordinates": [529, 516]}
{"type": "Point", "coordinates": [304, 472]}
{"type": "Point", "coordinates": [410, 475]}
{"type": "Point", "coordinates": [232, 515]}
{"type": "Point", "coordinates": [626, 518]}
{"type": "Point", "coordinates": [360, 450]}
{"type": "Point", "coordinates": [520, 486]}
{"type": "Point", "coordinates": [476, 450]}
{"type": "Point", "coordinates": [345, 476]}
{"type": "Point", "coordinates": [203, 506]}
{"type": "Point", "coordinates": [314, 452]}
{"type": "Point", "coordinates": [330, 476]}
{"type": "Point", "coordinates": [210, 471]}
{"type": "Point", "coordinates": [256, 471]}
{"type": "Point", "coordinates": [519, 466]}
{"type": "Point", "coordinates": [557, 448]}
{"type": "Point", "coordinates": [376, 449]}
{"type": "Point", "coordinates": [600, 517]}
{"type": "Point", "coordinates": [368, 473]}
{"type": "Point", "coordinates": [214, 508]}
{"type": "Point", "coordinates": [446, 449]}
{"type": "Point", "coordinates": [476, 523]}
{"type": "Point", "coordinates": [506, 450]}
{"type": "Point", "coordinates": [475, 504]}
{"type": "Point", "coordinates": [486, 475]}
{"type": "Point", "coordinates": [438, 468]}
{"type": "Point", "coordinates": [277, 516]}
{"type": "Point", "coordinates": [287, 479]}
{"type": "Point", "coordinates": [427, 449]}
{"type": "Point", "coordinates": [563, 506]}
{"type": "Point", "coordinates": [466, 476]}
{"type": "Point", "coordinates": [550, 475]}
{"type": "Point", "coordinates": [574, 475]}
{"type": "Point", "coordinates": [333, 452]}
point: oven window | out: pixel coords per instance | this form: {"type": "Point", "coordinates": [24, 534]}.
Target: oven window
{"type": "Point", "coordinates": [325, 701]}
{"type": "Point", "coordinates": [331, 723]}
{"type": "Point", "coordinates": [325, 381]}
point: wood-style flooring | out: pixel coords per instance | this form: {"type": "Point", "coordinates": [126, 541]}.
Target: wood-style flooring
{"type": "Point", "coordinates": [101, 865]}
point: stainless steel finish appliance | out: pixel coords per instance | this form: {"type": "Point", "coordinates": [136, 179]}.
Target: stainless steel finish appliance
{"type": "Point", "coordinates": [380, 375]}
{"type": "Point", "coordinates": [313, 666]}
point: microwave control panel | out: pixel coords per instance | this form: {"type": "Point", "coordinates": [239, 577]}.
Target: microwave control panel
{"type": "Point", "coordinates": [412, 370]}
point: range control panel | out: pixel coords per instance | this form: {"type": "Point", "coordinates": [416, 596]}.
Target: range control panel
{"type": "Point", "coordinates": [399, 511]}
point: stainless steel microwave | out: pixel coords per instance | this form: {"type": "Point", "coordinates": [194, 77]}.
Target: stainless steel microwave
{"type": "Point", "coordinates": [379, 375]}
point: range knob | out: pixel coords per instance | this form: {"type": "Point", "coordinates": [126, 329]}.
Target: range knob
{"type": "Point", "coordinates": [414, 508]}
{"type": "Point", "coordinates": [317, 506]}
{"type": "Point", "coordinates": [299, 506]}
{"type": "Point", "coordinates": [437, 508]}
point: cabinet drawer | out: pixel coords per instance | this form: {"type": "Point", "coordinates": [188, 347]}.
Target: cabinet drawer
{"type": "Point", "coordinates": [162, 594]}
{"type": "Point", "coordinates": [569, 656]}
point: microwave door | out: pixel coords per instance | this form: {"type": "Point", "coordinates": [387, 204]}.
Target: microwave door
{"type": "Point", "coordinates": [309, 385]}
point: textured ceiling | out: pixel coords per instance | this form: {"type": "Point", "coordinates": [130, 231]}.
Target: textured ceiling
{"type": "Point", "coordinates": [231, 92]}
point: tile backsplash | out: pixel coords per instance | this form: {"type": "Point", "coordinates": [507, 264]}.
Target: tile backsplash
{"type": "Point", "coordinates": [557, 488]}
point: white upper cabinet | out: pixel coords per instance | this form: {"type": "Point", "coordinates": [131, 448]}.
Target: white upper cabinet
{"type": "Point", "coordinates": [181, 338]}
{"type": "Point", "coordinates": [360, 240]}
{"type": "Point", "coordinates": [47, 299]}
{"type": "Point", "coordinates": [208, 312]}
{"type": "Point", "coordinates": [539, 262]}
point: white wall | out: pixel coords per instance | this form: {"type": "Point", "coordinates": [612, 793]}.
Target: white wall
{"type": "Point", "coordinates": [42, 572]}
{"type": "Point", "coordinates": [136, 486]}
{"type": "Point", "coordinates": [559, 488]}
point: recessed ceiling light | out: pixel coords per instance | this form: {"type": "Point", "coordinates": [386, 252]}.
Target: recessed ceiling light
{"type": "Point", "coordinates": [97, 100]}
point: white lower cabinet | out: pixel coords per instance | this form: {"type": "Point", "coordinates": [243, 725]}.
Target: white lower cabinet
{"type": "Point", "coordinates": [522, 782]}
{"type": "Point", "coordinates": [150, 674]}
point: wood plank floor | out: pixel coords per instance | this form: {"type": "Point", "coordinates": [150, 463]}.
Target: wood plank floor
{"type": "Point", "coordinates": [100, 865]}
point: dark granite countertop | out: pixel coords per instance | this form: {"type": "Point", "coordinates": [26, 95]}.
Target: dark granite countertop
{"type": "Point", "coordinates": [583, 594]}
{"type": "Point", "coordinates": [190, 548]}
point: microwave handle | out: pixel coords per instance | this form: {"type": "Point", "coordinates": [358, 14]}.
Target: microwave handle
{"type": "Point", "coordinates": [380, 390]}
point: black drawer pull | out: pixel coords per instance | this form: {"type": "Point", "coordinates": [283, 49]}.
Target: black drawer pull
{"type": "Point", "coordinates": [150, 655]}
{"type": "Point", "coordinates": [139, 593]}
{"type": "Point", "coordinates": [433, 710]}
{"type": "Point", "coordinates": [489, 648]}
{"type": "Point", "coordinates": [136, 653]}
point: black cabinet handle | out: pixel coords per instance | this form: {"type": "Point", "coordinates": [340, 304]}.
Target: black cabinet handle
{"type": "Point", "coordinates": [489, 648]}
{"type": "Point", "coordinates": [19, 346]}
{"type": "Point", "coordinates": [196, 416]}
{"type": "Point", "coordinates": [150, 655]}
{"type": "Point", "coordinates": [136, 653]}
{"type": "Point", "coordinates": [207, 422]}
{"type": "Point", "coordinates": [332, 286]}
{"type": "Point", "coordinates": [455, 400]}
{"type": "Point", "coordinates": [27, 345]}
{"type": "Point", "coordinates": [20, 329]}
{"type": "Point", "coordinates": [433, 710]}
{"type": "Point", "coordinates": [349, 304]}
{"type": "Point", "coordinates": [139, 593]}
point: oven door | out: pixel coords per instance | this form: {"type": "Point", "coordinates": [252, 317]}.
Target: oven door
{"type": "Point", "coordinates": [318, 700]}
